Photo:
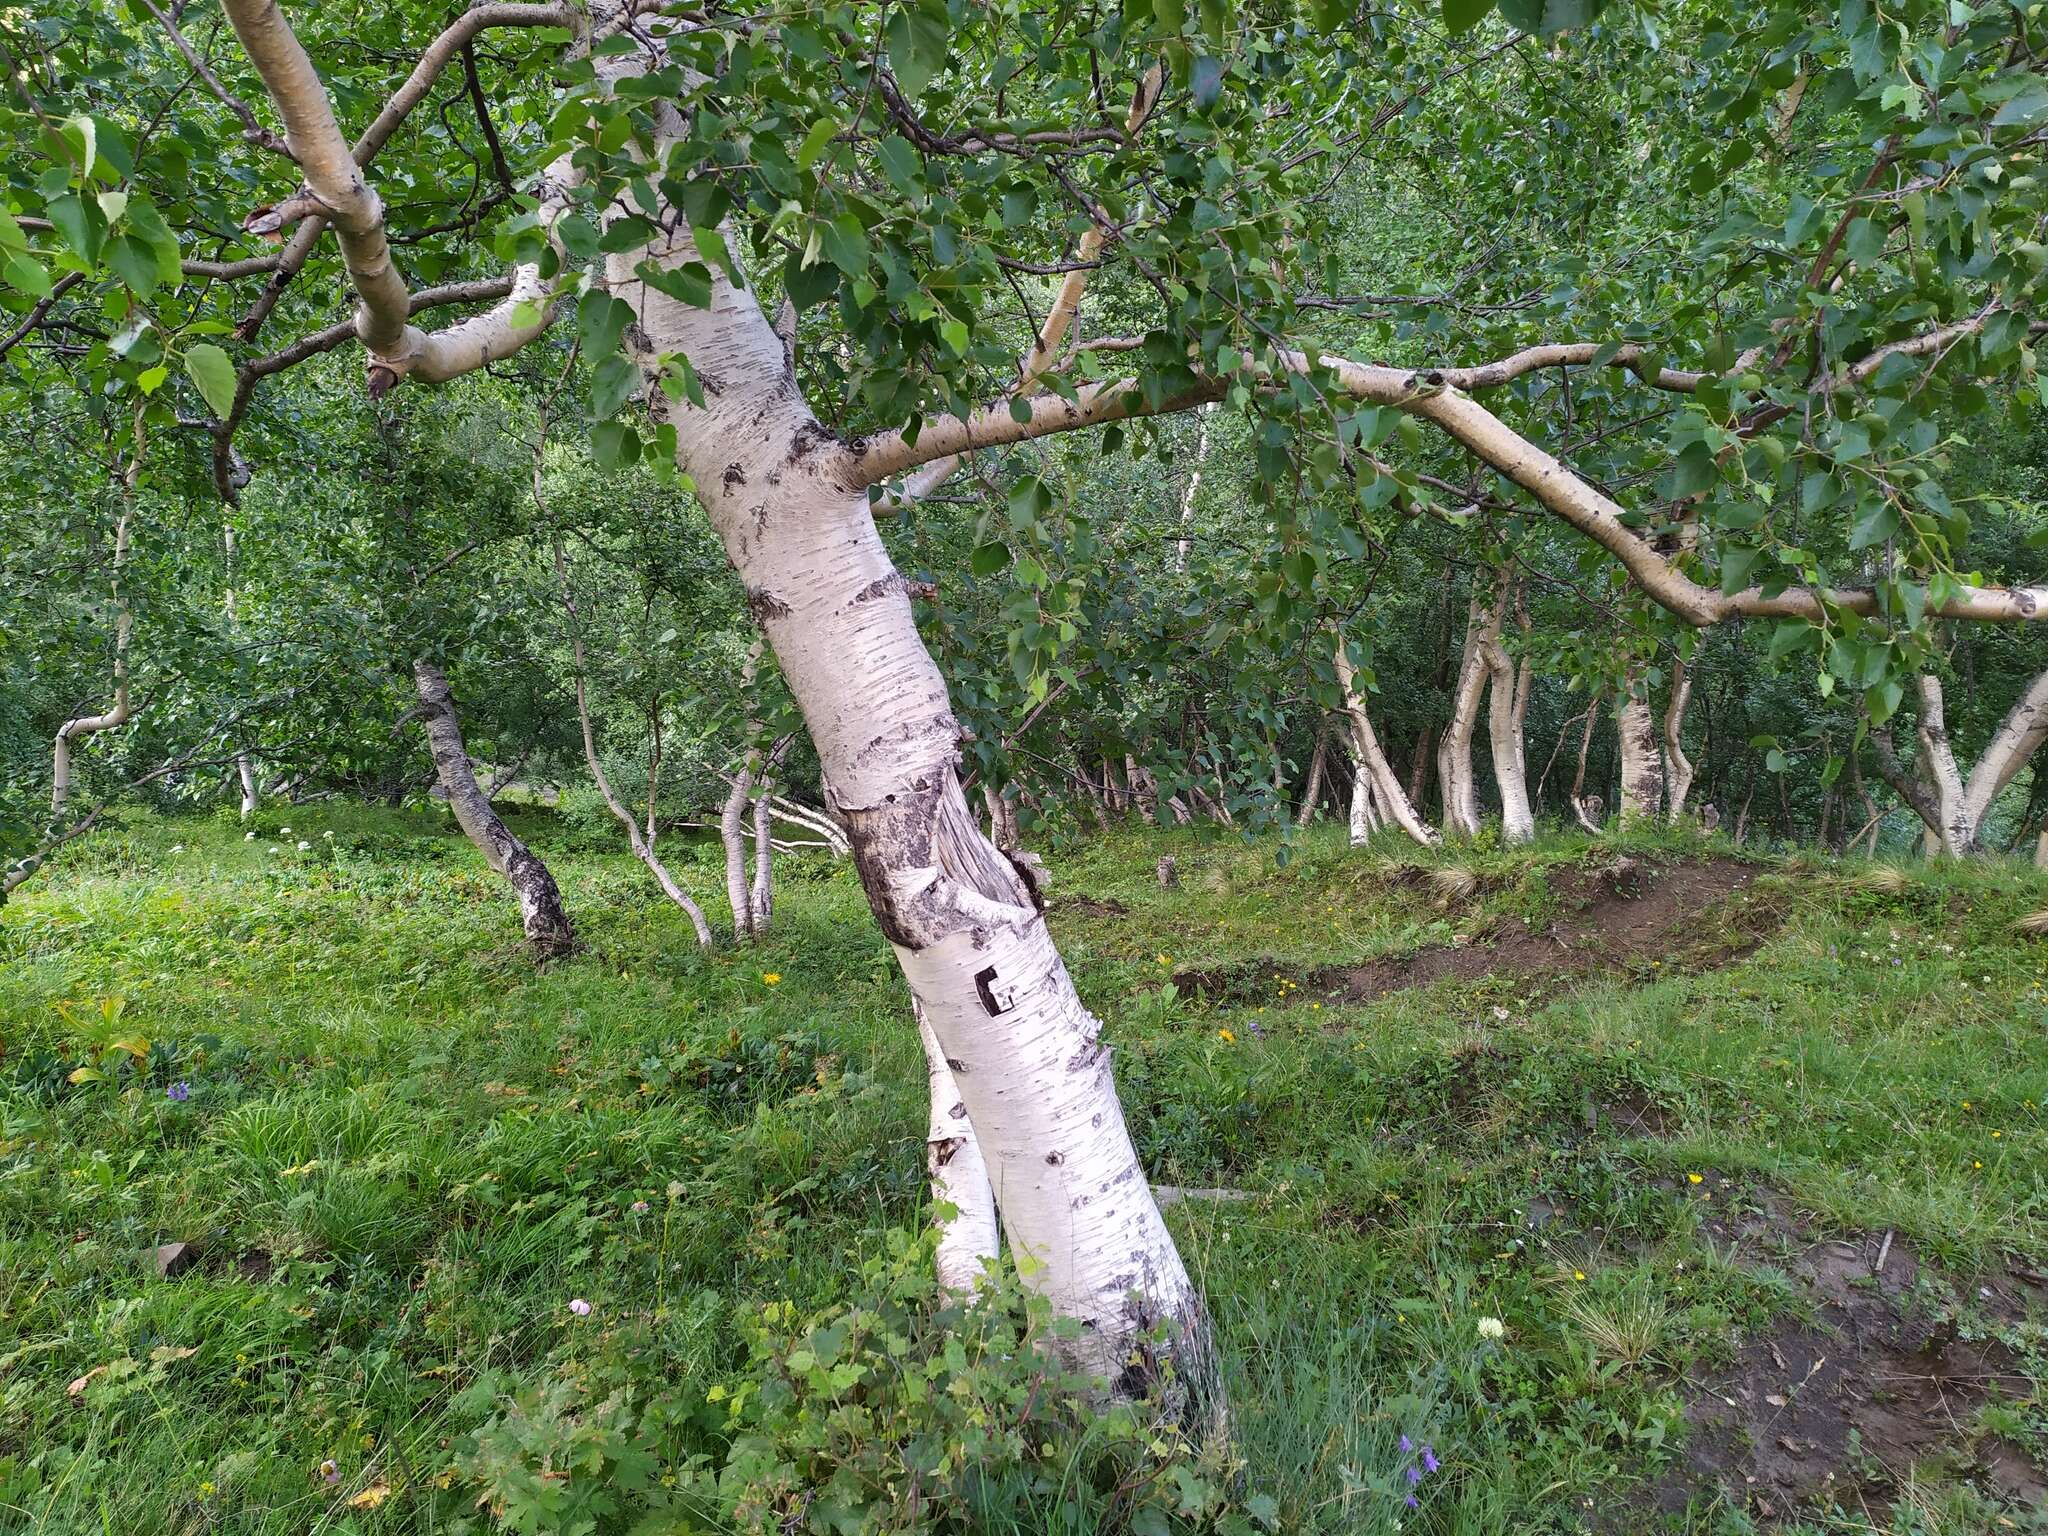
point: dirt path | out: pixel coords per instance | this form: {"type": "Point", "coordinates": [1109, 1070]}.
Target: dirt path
{"type": "Point", "coordinates": [1840, 1408]}
{"type": "Point", "coordinates": [1617, 917]}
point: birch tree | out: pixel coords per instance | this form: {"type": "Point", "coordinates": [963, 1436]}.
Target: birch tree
{"type": "Point", "coordinates": [893, 172]}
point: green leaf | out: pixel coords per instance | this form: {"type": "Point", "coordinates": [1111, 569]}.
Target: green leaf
{"type": "Point", "coordinates": [823, 131]}
{"type": "Point", "coordinates": [954, 334]}
{"type": "Point", "coordinates": [917, 38]}
{"type": "Point", "coordinates": [901, 165]}
{"type": "Point", "coordinates": [689, 283]}
{"type": "Point", "coordinates": [1464, 15]}
{"type": "Point", "coordinates": [211, 370]}
{"type": "Point", "coordinates": [134, 263]}
{"type": "Point", "coordinates": [614, 445]}
{"type": "Point", "coordinates": [808, 285]}
{"type": "Point", "coordinates": [80, 223]}
{"type": "Point", "coordinates": [150, 380]}
{"type": "Point", "coordinates": [990, 558]}
{"type": "Point", "coordinates": [600, 321]}
{"type": "Point", "coordinates": [1546, 17]}
{"type": "Point", "coordinates": [611, 385]}
{"type": "Point", "coordinates": [26, 275]}
{"type": "Point", "coordinates": [2026, 109]}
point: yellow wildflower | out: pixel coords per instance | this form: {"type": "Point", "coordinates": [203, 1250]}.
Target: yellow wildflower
{"type": "Point", "coordinates": [1226, 1037]}
{"type": "Point", "coordinates": [771, 977]}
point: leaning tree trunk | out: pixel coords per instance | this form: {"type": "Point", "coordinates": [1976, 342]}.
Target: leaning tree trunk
{"type": "Point", "coordinates": [1455, 778]}
{"type": "Point", "coordinates": [540, 901]}
{"type": "Point", "coordinates": [1642, 770]}
{"type": "Point", "coordinates": [968, 1240]}
{"type": "Point", "coordinates": [1312, 790]}
{"type": "Point", "coordinates": [1382, 783]}
{"type": "Point", "coordinates": [787, 499]}
{"type": "Point", "coordinates": [1678, 767]}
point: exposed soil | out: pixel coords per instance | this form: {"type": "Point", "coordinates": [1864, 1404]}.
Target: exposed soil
{"type": "Point", "coordinates": [1840, 1409]}
{"type": "Point", "coordinates": [1617, 917]}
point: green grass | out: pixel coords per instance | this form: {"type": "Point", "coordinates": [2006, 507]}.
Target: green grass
{"type": "Point", "coordinates": [405, 1150]}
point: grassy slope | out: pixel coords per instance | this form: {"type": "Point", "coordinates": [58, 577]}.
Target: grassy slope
{"type": "Point", "coordinates": [404, 1151]}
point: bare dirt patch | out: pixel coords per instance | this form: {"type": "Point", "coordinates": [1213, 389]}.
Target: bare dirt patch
{"type": "Point", "coordinates": [1840, 1409]}
{"type": "Point", "coordinates": [1617, 917]}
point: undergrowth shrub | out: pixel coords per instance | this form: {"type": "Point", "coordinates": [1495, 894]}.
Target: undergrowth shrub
{"type": "Point", "coordinates": [896, 1410]}
{"type": "Point", "coordinates": [904, 1410]}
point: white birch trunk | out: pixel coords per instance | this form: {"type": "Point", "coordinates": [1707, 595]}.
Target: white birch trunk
{"type": "Point", "coordinates": [763, 896]}
{"type": "Point", "coordinates": [1382, 783]}
{"type": "Point", "coordinates": [1194, 486]}
{"type": "Point", "coordinates": [1642, 770]}
{"type": "Point", "coordinates": [1507, 707]}
{"type": "Point", "coordinates": [1454, 753]}
{"type": "Point", "coordinates": [969, 1241]}
{"type": "Point", "coordinates": [245, 769]}
{"type": "Point", "coordinates": [2011, 747]}
{"type": "Point", "coordinates": [542, 917]}
{"type": "Point", "coordinates": [1953, 829]}
{"type": "Point", "coordinates": [1312, 791]}
{"type": "Point", "coordinates": [786, 499]}
{"type": "Point", "coordinates": [1678, 767]}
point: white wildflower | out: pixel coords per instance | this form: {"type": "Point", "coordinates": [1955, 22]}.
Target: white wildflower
{"type": "Point", "coordinates": [1492, 1328]}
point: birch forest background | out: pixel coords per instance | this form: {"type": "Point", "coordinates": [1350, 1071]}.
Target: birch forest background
{"type": "Point", "coordinates": [971, 766]}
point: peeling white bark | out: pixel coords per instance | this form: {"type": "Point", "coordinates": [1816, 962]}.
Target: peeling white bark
{"type": "Point", "coordinates": [1381, 782]}
{"type": "Point", "coordinates": [1642, 770]}
{"type": "Point", "coordinates": [1953, 809]}
{"type": "Point", "coordinates": [789, 504]}
{"type": "Point", "coordinates": [1455, 778]}
{"type": "Point", "coordinates": [1507, 707]}
{"type": "Point", "coordinates": [1194, 488]}
{"type": "Point", "coordinates": [1678, 767]}
{"type": "Point", "coordinates": [969, 1242]}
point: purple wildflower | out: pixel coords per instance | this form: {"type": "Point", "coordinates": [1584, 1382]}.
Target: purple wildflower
{"type": "Point", "coordinates": [1414, 1474]}
{"type": "Point", "coordinates": [1407, 1445]}
{"type": "Point", "coordinates": [179, 1091]}
{"type": "Point", "coordinates": [1413, 1502]}
{"type": "Point", "coordinates": [1429, 1461]}
{"type": "Point", "coordinates": [580, 1307]}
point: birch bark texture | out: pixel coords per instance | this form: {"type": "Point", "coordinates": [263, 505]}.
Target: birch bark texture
{"type": "Point", "coordinates": [1376, 780]}
{"type": "Point", "coordinates": [1642, 769]}
{"type": "Point", "coordinates": [542, 916]}
{"type": "Point", "coordinates": [787, 499]}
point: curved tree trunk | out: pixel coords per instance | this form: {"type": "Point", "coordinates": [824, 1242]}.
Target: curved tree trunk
{"type": "Point", "coordinates": [1373, 769]}
{"type": "Point", "coordinates": [641, 843]}
{"type": "Point", "coordinates": [1678, 767]}
{"type": "Point", "coordinates": [964, 920]}
{"type": "Point", "coordinates": [540, 903]}
{"type": "Point", "coordinates": [1586, 809]}
{"type": "Point", "coordinates": [1312, 790]}
{"type": "Point", "coordinates": [1952, 810]}
{"type": "Point", "coordinates": [124, 624]}
{"type": "Point", "coordinates": [1642, 771]}
{"type": "Point", "coordinates": [1455, 777]}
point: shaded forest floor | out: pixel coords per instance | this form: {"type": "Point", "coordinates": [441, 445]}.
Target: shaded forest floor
{"type": "Point", "coordinates": [1748, 1157]}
